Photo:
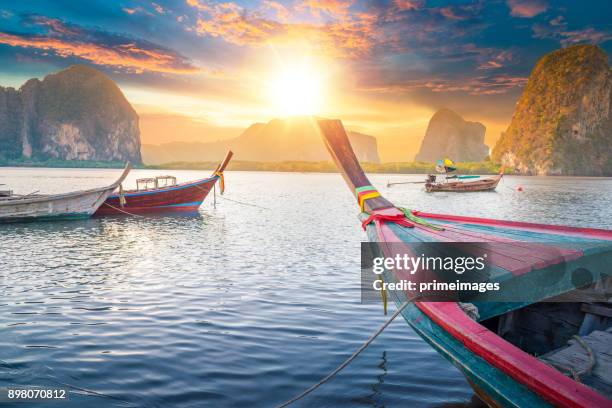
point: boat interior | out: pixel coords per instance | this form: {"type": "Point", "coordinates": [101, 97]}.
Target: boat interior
{"type": "Point", "coordinates": [573, 337]}
{"type": "Point", "coordinates": [152, 183]}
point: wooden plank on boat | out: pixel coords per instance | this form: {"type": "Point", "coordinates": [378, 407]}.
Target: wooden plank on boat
{"type": "Point", "coordinates": [597, 310]}
{"type": "Point", "coordinates": [576, 357]}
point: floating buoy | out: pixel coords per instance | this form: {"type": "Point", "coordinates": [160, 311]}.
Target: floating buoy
{"type": "Point", "coordinates": [519, 188]}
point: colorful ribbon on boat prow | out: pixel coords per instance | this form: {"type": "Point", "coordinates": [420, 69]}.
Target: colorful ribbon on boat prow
{"type": "Point", "coordinates": [365, 193]}
{"type": "Point", "coordinates": [406, 219]}
{"type": "Point", "coordinates": [376, 217]}
{"type": "Point", "coordinates": [418, 220]}
{"type": "Point", "coordinates": [221, 181]}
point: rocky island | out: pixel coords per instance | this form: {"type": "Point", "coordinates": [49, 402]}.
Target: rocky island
{"type": "Point", "coordinates": [449, 135]}
{"type": "Point", "coordinates": [563, 121]}
{"type": "Point", "coordinates": [76, 114]}
{"type": "Point", "coordinates": [291, 139]}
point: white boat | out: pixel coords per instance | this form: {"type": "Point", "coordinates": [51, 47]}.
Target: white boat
{"type": "Point", "coordinates": [41, 207]}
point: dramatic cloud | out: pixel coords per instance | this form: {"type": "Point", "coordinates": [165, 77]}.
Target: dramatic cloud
{"type": "Point", "coordinates": [527, 8]}
{"type": "Point", "coordinates": [480, 85]}
{"type": "Point", "coordinates": [344, 35]}
{"type": "Point", "coordinates": [557, 29]}
{"type": "Point", "coordinates": [98, 47]}
{"type": "Point", "coordinates": [409, 4]}
{"type": "Point", "coordinates": [497, 61]}
{"type": "Point", "coordinates": [336, 8]}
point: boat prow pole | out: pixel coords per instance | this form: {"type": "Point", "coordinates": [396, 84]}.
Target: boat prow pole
{"type": "Point", "coordinates": [219, 173]}
{"type": "Point", "coordinates": [339, 147]}
{"type": "Point", "coordinates": [221, 167]}
{"type": "Point", "coordinates": [126, 171]}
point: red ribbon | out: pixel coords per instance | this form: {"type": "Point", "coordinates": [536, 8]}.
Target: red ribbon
{"type": "Point", "coordinates": [399, 219]}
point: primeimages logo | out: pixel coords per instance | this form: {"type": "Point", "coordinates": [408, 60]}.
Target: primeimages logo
{"type": "Point", "coordinates": [412, 264]}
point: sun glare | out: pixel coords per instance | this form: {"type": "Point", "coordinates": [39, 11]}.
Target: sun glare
{"type": "Point", "coordinates": [297, 90]}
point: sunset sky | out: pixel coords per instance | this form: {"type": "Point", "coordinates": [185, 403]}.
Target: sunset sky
{"type": "Point", "coordinates": [382, 66]}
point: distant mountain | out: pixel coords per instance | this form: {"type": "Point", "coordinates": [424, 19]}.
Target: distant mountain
{"type": "Point", "coordinates": [76, 114]}
{"type": "Point", "coordinates": [294, 139]}
{"type": "Point", "coordinates": [563, 121]}
{"type": "Point", "coordinates": [449, 135]}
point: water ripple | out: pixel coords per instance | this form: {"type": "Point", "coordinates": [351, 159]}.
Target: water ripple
{"type": "Point", "coordinates": [236, 306]}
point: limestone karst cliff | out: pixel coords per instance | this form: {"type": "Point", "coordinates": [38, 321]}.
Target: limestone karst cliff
{"type": "Point", "coordinates": [449, 135]}
{"type": "Point", "coordinates": [76, 114]}
{"type": "Point", "coordinates": [291, 139]}
{"type": "Point", "coordinates": [562, 124]}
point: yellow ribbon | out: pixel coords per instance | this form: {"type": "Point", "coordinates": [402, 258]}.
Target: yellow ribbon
{"type": "Point", "coordinates": [221, 181]}
{"type": "Point", "coordinates": [364, 197]}
{"type": "Point", "coordinates": [122, 200]}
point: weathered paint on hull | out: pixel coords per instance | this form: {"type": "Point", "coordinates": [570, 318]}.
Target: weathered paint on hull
{"type": "Point", "coordinates": [492, 385]}
{"type": "Point", "coordinates": [75, 204]}
{"type": "Point", "coordinates": [81, 206]}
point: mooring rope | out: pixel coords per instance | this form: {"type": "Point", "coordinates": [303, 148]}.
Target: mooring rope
{"type": "Point", "coordinates": [229, 199]}
{"type": "Point", "coordinates": [243, 203]}
{"type": "Point", "coordinates": [123, 211]}
{"type": "Point", "coordinates": [350, 359]}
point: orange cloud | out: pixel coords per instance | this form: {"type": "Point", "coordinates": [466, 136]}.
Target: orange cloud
{"type": "Point", "coordinates": [409, 4]}
{"type": "Point", "coordinates": [282, 12]}
{"type": "Point", "coordinates": [127, 56]}
{"type": "Point", "coordinates": [346, 35]}
{"type": "Point", "coordinates": [497, 61]}
{"type": "Point", "coordinates": [337, 8]}
{"type": "Point", "coordinates": [527, 8]}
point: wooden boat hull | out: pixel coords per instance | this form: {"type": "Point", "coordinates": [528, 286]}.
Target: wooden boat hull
{"type": "Point", "coordinates": [468, 186]}
{"type": "Point", "coordinates": [184, 198]}
{"type": "Point", "coordinates": [180, 198]}
{"type": "Point", "coordinates": [74, 205]}
{"type": "Point", "coordinates": [500, 373]}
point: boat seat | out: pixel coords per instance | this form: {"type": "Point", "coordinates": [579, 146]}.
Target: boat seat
{"type": "Point", "coordinates": [590, 362]}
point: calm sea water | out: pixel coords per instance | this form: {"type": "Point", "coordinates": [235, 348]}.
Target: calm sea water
{"type": "Point", "coordinates": [239, 306]}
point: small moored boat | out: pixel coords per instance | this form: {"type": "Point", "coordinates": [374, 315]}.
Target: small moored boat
{"type": "Point", "coordinates": [42, 207]}
{"type": "Point", "coordinates": [162, 194]}
{"type": "Point", "coordinates": [485, 184]}
{"type": "Point", "coordinates": [513, 354]}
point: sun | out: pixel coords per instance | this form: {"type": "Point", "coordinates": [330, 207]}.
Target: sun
{"type": "Point", "coordinates": [296, 90]}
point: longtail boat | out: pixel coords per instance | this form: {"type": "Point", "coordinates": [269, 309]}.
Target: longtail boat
{"type": "Point", "coordinates": [513, 354]}
{"type": "Point", "coordinates": [485, 184]}
{"type": "Point", "coordinates": [43, 207]}
{"type": "Point", "coordinates": [162, 194]}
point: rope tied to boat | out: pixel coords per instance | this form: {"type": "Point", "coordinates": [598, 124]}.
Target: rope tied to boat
{"type": "Point", "coordinates": [365, 193]}
{"type": "Point", "coordinates": [351, 358]}
{"type": "Point", "coordinates": [577, 374]}
{"type": "Point", "coordinates": [122, 210]}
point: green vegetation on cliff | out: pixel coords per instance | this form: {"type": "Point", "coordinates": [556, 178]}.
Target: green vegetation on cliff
{"type": "Point", "coordinates": [562, 123]}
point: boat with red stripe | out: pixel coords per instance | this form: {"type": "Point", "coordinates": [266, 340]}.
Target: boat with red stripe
{"type": "Point", "coordinates": [513, 354]}
{"type": "Point", "coordinates": [161, 194]}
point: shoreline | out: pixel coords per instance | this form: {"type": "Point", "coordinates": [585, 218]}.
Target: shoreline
{"type": "Point", "coordinates": [483, 168]}
{"type": "Point", "coordinates": [477, 168]}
